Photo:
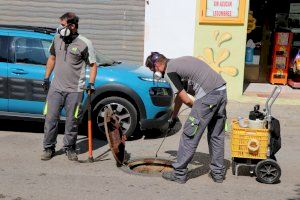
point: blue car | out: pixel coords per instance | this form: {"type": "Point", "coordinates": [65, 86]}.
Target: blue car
{"type": "Point", "coordinates": [129, 90]}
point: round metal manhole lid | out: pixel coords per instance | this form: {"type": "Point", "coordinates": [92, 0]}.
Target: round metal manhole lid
{"type": "Point", "coordinates": [114, 134]}
{"type": "Point", "coordinates": [147, 166]}
{"type": "Point", "coordinates": [138, 166]}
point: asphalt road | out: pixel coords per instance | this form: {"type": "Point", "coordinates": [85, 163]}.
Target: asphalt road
{"type": "Point", "coordinates": [24, 176]}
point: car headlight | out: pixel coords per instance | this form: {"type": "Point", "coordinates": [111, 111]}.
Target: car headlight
{"type": "Point", "coordinates": [152, 80]}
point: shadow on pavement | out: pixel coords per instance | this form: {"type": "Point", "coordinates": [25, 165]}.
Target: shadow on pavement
{"type": "Point", "coordinates": [297, 190]}
{"type": "Point", "coordinates": [82, 144]}
{"type": "Point", "coordinates": [26, 126]}
{"type": "Point", "coordinates": [38, 127]}
{"type": "Point", "coordinates": [157, 133]}
{"type": "Point", "coordinates": [22, 126]}
{"type": "Point", "coordinates": [82, 147]}
{"type": "Point", "coordinates": [201, 161]}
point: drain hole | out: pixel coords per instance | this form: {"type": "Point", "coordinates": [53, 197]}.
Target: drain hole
{"type": "Point", "coordinates": [149, 166]}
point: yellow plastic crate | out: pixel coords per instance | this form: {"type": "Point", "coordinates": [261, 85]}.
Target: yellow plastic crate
{"type": "Point", "coordinates": [240, 138]}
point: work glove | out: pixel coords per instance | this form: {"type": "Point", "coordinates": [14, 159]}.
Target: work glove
{"type": "Point", "coordinates": [124, 138]}
{"type": "Point", "coordinates": [46, 84]}
{"type": "Point", "coordinates": [90, 88]}
{"type": "Point", "coordinates": [172, 122]}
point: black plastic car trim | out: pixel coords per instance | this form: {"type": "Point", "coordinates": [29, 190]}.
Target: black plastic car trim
{"type": "Point", "coordinates": [162, 101]}
{"type": "Point", "coordinates": [24, 116]}
{"type": "Point", "coordinates": [154, 123]}
{"type": "Point", "coordinates": [3, 88]}
{"type": "Point", "coordinates": [26, 89]}
{"type": "Point", "coordinates": [38, 29]}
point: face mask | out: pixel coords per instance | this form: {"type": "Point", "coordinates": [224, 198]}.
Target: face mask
{"type": "Point", "coordinates": [59, 28]}
{"type": "Point", "coordinates": [157, 75]}
{"type": "Point", "coordinates": [63, 31]}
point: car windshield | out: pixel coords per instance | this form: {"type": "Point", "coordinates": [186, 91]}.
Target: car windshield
{"type": "Point", "coordinates": [103, 60]}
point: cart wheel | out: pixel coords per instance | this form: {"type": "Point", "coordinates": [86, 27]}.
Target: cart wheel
{"type": "Point", "coordinates": [233, 166]}
{"type": "Point", "coordinates": [267, 171]}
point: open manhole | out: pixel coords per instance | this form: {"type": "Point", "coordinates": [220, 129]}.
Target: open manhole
{"type": "Point", "coordinates": [148, 166]}
{"type": "Point", "coordinates": [139, 166]}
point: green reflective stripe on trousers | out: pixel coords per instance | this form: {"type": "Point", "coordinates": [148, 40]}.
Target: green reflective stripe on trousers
{"type": "Point", "coordinates": [45, 108]}
{"type": "Point", "coordinates": [195, 130]}
{"type": "Point", "coordinates": [227, 126]}
{"type": "Point", "coordinates": [192, 119]}
{"type": "Point", "coordinates": [76, 112]}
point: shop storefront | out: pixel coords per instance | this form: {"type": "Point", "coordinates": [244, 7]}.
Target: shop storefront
{"type": "Point", "coordinates": [212, 30]}
{"type": "Point", "coordinates": [217, 31]}
{"type": "Point", "coordinates": [273, 42]}
{"type": "Point", "coordinates": [223, 24]}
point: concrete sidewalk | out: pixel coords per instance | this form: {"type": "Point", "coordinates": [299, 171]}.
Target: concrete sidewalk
{"type": "Point", "coordinates": [24, 176]}
{"type": "Point", "coordinates": [264, 90]}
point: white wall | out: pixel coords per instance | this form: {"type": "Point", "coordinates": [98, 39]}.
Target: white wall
{"type": "Point", "coordinates": [170, 27]}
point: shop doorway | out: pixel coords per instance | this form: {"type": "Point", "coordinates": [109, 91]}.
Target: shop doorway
{"type": "Point", "coordinates": [267, 19]}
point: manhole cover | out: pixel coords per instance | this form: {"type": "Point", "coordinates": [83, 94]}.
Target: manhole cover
{"type": "Point", "coordinates": [141, 166]}
{"type": "Point", "coordinates": [114, 134]}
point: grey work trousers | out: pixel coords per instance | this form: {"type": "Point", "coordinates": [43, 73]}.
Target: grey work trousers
{"type": "Point", "coordinates": [208, 111]}
{"type": "Point", "coordinates": [56, 101]}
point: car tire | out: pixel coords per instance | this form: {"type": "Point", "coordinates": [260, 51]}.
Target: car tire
{"type": "Point", "coordinates": [124, 110]}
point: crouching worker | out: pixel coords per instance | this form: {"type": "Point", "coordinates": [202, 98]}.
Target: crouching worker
{"type": "Point", "coordinates": [70, 53]}
{"type": "Point", "coordinates": [208, 110]}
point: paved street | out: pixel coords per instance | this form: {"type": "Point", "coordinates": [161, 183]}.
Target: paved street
{"type": "Point", "coordinates": [23, 176]}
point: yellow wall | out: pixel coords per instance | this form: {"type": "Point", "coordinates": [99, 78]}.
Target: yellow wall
{"type": "Point", "coordinates": [231, 51]}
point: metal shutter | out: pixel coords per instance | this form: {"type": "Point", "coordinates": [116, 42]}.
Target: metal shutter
{"type": "Point", "coordinates": [116, 27]}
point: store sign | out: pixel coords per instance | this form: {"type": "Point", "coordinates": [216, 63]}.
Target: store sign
{"type": "Point", "coordinates": [295, 8]}
{"type": "Point", "coordinates": [222, 11]}
{"type": "Point", "coordinates": [222, 8]}
{"type": "Point", "coordinates": [294, 14]}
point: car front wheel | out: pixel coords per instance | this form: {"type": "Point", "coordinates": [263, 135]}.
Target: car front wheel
{"type": "Point", "coordinates": [124, 110]}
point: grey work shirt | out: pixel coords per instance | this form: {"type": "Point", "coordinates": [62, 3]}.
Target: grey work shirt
{"type": "Point", "coordinates": [70, 63]}
{"type": "Point", "coordinates": [200, 76]}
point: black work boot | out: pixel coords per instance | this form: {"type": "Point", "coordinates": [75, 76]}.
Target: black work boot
{"type": "Point", "coordinates": [48, 154]}
{"type": "Point", "coordinates": [171, 177]}
{"type": "Point", "coordinates": [72, 155]}
{"type": "Point", "coordinates": [218, 178]}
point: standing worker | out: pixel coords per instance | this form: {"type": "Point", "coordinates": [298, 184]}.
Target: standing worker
{"type": "Point", "coordinates": [208, 110]}
{"type": "Point", "coordinates": [70, 53]}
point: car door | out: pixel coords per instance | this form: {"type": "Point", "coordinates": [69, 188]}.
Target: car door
{"type": "Point", "coordinates": [3, 71]}
{"type": "Point", "coordinates": [26, 74]}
